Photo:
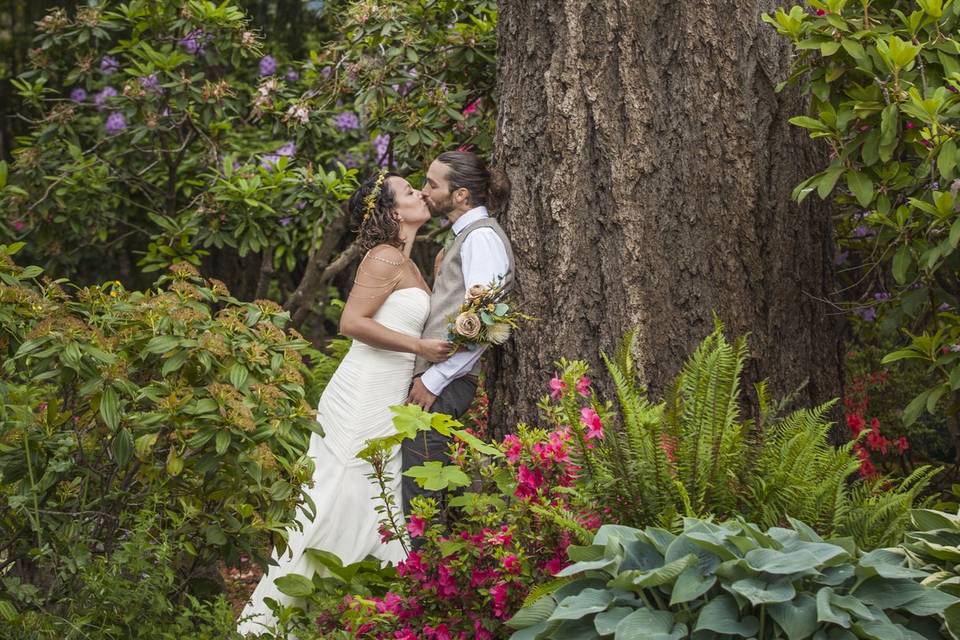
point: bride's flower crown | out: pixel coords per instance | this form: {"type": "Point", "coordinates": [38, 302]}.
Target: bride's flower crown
{"type": "Point", "coordinates": [370, 201]}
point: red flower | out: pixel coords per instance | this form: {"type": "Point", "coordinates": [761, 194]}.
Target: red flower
{"type": "Point", "coordinates": [903, 444]}
{"type": "Point", "coordinates": [856, 423]}
{"type": "Point", "coordinates": [821, 12]}
{"type": "Point", "coordinates": [530, 481]}
{"type": "Point", "coordinates": [499, 594]}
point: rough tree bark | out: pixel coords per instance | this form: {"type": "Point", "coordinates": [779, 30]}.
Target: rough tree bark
{"type": "Point", "coordinates": [652, 164]}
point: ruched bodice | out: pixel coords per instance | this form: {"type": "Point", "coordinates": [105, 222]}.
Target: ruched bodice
{"type": "Point", "coordinates": [354, 404]}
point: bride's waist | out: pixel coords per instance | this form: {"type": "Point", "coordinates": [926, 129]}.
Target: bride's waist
{"type": "Point", "coordinates": [357, 347]}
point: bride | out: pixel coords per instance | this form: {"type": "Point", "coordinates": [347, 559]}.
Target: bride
{"type": "Point", "coordinates": [384, 314]}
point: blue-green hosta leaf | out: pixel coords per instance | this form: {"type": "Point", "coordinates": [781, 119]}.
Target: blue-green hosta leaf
{"type": "Point", "coordinates": [573, 630]}
{"type": "Point", "coordinates": [644, 624]}
{"type": "Point", "coordinates": [586, 602]}
{"type": "Point", "coordinates": [773, 561]}
{"type": "Point", "coordinates": [659, 538]}
{"type": "Point", "coordinates": [609, 564]}
{"type": "Point", "coordinates": [606, 622]}
{"type": "Point", "coordinates": [655, 577]}
{"type": "Point", "coordinates": [721, 615]}
{"type": "Point", "coordinates": [759, 591]}
{"type": "Point", "coordinates": [927, 519]}
{"type": "Point", "coordinates": [826, 612]}
{"type": "Point", "coordinates": [797, 618]}
{"type": "Point", "coordinates": [639, 554]}
{"type": "Point", "coordinates": [904, 594]}
{"type": "Point", "coordinates": [826, 553]}
{"type": "Point", "coordinates": [887, 563]}
{"type": "Point", "coordinates": [952, 618]}
{"type": "Point", "coordinates": [721, 548]}
{"type": "Point", "coordinates": [618, 531]}
{"type": "Point", "coordinates": [530, 633]}
{"type": "Point", "coordinates": [690, 585]}
{"type": "Point", "coordinates": [535, 614]}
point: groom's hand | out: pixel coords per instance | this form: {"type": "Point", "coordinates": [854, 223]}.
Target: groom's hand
{"type": "Point", "coordinates": [420, 395]}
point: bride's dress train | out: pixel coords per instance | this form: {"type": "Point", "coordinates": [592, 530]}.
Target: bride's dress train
{"type": "Point", "coordinates": [353, 409]}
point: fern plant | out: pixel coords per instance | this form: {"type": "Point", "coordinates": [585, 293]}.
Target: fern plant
{"type": "Point", "coordinates": [692, 454]}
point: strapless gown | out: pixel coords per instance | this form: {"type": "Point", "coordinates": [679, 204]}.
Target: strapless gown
{"type": "Point", "coordinates": [354, 407]}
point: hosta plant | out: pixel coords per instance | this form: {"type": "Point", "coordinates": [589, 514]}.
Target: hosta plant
{"type": "Point", "coordinates": [933, 544]}
{"type": "Point", "coordinates": [731, 580]}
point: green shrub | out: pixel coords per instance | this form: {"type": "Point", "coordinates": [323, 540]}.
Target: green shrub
{"type": "Point", "coordinates": [933, 544]}
{"type": "Point", "coordinates": [883, 79]}
{"type": "Point", "coordinates": [692, 455]}
{"type": "Point", "coordinates": [181, 400]}
{"type": "Point", "coordinates": [732, 579]}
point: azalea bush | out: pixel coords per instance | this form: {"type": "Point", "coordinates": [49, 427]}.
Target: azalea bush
{"type": "Point", "coordinates": [180, 401]}
{"type": "Point", "coordinates": [883, 80]}
{"type": "Point", "coordinates": [166, 132]}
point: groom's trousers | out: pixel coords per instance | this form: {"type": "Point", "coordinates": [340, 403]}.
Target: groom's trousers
{"type": "Point", "coordinates": [454, 401]}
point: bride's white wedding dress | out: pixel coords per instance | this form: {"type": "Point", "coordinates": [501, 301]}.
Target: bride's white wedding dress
{"type": "Point", "coordinates": [352, 409]}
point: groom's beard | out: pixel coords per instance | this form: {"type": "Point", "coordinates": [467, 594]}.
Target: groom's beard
{"type": "Point", "coordinates": [440, 209]}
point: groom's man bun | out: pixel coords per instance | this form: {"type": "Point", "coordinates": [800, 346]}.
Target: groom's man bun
{"type": "Point", "coordinates": [488, 187]}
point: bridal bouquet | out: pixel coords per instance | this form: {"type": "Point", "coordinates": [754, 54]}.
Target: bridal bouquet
{"type": "Point", "coordinates": [486, 317]}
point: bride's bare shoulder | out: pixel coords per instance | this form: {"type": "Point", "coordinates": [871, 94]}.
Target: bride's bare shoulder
{"type": "Point", "coordinates": [385, 253]}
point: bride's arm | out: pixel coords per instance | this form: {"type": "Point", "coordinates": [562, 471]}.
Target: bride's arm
{"type": "Point", "coordinates": [379, 274]}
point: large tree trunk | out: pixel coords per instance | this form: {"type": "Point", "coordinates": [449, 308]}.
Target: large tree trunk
{"type": "Point", "coordinates": [652, 165]}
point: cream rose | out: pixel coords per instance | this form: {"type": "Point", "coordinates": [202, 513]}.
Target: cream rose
{"type": "Point", "coordinates": [476, 292]}
{"type": "Point", "coordinates": [498, 333]}
{"type": "Point", "coordinates": [468, 324]}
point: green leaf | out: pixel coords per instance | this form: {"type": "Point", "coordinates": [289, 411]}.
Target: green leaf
{"type": "Point", "coordinates": [409, 419]}
{"type": "Point", "coordinates": [947, 159]}
{"type": "Point", "coordinates": [901, 264]}
{"type": "Point", "coordinates": [606, 621]}
{"type": "Point", "coordinates": [582, 604]}
{"type": "Point", "coordinates": [536, 613]}
{"type": "Point", "coordinates": [7, 611]}
{"type": "Point", "coordinates": [110, 408]}
{"type": "Point", "coordinates": [646, 623]}
{"type": "Point", "coordinates": [222, 442]}
{"type": "Point", "coordinates": [721, 615]}
{"type": "Point", "coordinates": [797, 618]}
{"type": "Point", "coordinates": [162, 344]}
{"type": "Point", "coordinates": [122, 446]}
{"type": "Point", "coordinates": [477, 444]}
{"type": "Point", "coordinates": [828, 181]}
{"type": "Point", "coordinates": [777, 562]}
{"type": "Point", "coordinates": [144, 445]}
{"type": "Point", "coordinates": [294, 585]}
{"type": "Point", "coordinates": [955, 233]}
{"type": "Point", "coordinates": [861, 186]}
{"type": "Point", "coordinates": [759, 591]}
{"type": "Point", "coordinates": [433, 475]}
{"type": "Point", "coordinates": [690, 585]}
{"type": "Point", "coordinates": [238, 375]}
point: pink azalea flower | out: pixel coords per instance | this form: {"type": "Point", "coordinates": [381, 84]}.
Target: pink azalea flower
{"type": "Point", "coordinates": [416, 526]}
{"type": "Point", "coordinates": [499, 594]}
{"type": "Point", "coordinates": [530, 481]}
{"type": "Point", "coordinates": [471, 108]}
{"type": "Point", "coordinates": [514, 447]}
{"type": "Point", "coordinates": [555, 565]}
{"type": "Point", "coordinates": [591, 420]}
{"type": "Point", "coordinates": [406, 634]}
{"type": "Point", "coordinates": [557, 387]}
{"type": "Point", "coordinates": [511, 564]}
{"type": "Point", "coordinates": [583, 386]}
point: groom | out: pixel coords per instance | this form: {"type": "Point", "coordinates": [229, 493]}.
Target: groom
{"type": "Point", "coordinates": [458, 186]}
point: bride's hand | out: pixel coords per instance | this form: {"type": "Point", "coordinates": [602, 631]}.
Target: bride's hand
{"type": "Point", "coordinates": [435, 350]}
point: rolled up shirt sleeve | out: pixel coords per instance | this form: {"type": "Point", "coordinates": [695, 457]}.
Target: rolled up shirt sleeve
{"type": "Point", "coordinates": [484, 260]}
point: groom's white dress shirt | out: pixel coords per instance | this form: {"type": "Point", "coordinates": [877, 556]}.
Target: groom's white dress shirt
{"type": "Point", "coordinates": [484, 260]}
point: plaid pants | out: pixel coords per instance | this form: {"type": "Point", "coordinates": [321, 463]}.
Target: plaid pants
{"type": "Point", "coordinates": [454, 401]}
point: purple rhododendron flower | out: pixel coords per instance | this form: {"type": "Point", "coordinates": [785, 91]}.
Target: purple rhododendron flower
{"type": "Point", "coordinates": [289, 150]}
{"type": "Point", "coordinates": [150, 82]}
{"type": "Point", "coordinates": [284, 221]}
{"type": "Point", "coordinates": [78, 95]}
{"type": "Point", "coordinates": [881, 296]}
{"type": "Point", "coordinates": [100, 99]}
{"type": "Point", "coordinates": [326, 71]}
{"type": "Point", "coordinates": [348, 160]}
{"type": "Point", "coordinates": [269, 161]}
{"type": "Point", "coordinates": [116, 123]}
{"type": "Point", "coordinates": [301, 205]}
{"type": "Point", "coordinates": [194, 42]}
{"type": "Point", "coordinates": [861, 232]}
{"type": "Point", "coordinates": [381, 144]}
{"type": "Point", "coordinates": [869, 314]}
{"type": "Point", "coordinates": [268, 65]}
{"type": "Point", "coordinates": [841, 258]}
{"type": "Point", "coordinates": [292, 75]}
{"type": "Point", "coordinates": [108, 65]}
{"type": "Point", "coordinates": [346, 120]}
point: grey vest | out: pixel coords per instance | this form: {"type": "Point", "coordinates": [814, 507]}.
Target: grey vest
{"type": "Point", "coordinates": [448, 290]}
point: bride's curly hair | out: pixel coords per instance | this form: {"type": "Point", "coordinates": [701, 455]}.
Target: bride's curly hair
{"type": "Point", "coordinates": [372, 213]}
